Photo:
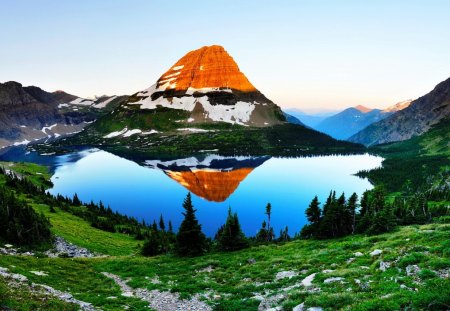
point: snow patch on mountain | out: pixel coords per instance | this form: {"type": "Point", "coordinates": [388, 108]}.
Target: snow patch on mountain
{"type": "Point", "coordinates": [115, 134]}
{"type": "Point", "coordinates": [193, 162]}
{"type": "Point", "coordinates": [104, 103]}
{"type": "Point", "coordinates": [82, 102]}
{"type": "Point", "coordinates": [237, 114]}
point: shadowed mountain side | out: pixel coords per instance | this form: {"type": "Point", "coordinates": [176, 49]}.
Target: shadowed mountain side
{"type": "Point", "coordinates": [414, 120]}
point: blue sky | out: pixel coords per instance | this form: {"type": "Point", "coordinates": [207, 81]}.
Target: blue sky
{"type": "Point", "coordinates": [311, 55]}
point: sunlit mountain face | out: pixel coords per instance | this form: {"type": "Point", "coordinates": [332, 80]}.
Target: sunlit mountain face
{"type": "Point", "coordinates": [211, 177]}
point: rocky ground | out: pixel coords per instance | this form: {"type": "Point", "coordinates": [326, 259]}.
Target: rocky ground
{"type": "Point", "coordinates": [160, 301]}
{"type": "Point", "coordinates": [16, 280]}
{"type": "Point", "coordinates": [62, 248]}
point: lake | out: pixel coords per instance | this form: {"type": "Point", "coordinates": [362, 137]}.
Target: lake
{"type": "Point", "coordinates": [246, 184]}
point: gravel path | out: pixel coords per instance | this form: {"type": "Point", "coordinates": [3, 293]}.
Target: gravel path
{"type": "Point", "coordinates": [160, 301]}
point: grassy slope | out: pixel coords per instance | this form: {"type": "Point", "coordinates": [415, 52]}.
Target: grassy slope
{"type": "Point", "coordinates": [21, 299]}
{"type": "Point", "coordinates": [81, 233]}
{"type": "Point", "coordinates": [237, 281]}
{"type": "Point", "coordinates": [416, 160]}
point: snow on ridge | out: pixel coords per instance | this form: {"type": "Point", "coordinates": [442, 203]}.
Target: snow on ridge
{"type": "Point", "coordinates": [131, 132]}
{"type": "Point", "coordinates": [104, 103]}
{"type": "Point", "coordinates": [23, 142]}
{"type": "Point", "coordinates": [45, 128]}
{"type": "Point", "coordinates": [178, 67]}
{"type": "Point", "coordinates": [115, 134]}
{"type": "Point", "coordinates": [237, 114]}
{"type": "Point", "coordinates": [193, 162]}
{"type": "Point", "coordinates": [150, 132]}
{"type": "Point", "coordinates": [81, 101]}
{"type": "Point", "coordinates": [194, 130]}
{"type": "Point", "coordinates": [125, 132]}
{"type": "Point", "coordinates": [172, 75]}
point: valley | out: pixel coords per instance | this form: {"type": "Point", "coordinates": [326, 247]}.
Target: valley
{"type": "Point", "coordinates": [198, 192]}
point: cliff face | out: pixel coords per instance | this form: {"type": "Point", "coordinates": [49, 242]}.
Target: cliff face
{"type": "Point", "coordinates": [207, 67]}
{"type": "Point", "coordinates": [208, 83]}
{"type": "Point", "coordinates": [414, 120]}
{"type": "Point", "coordinates": [30, 113]}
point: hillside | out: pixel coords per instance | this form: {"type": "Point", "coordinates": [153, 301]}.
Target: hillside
{"type": "Point", "coordinates": [414, 120]}
{"type": "Point", "coordinates": [407, 268]}
{"type": "Point", "coordinates": [29, 113]}
{"type": "Point", "coordinates": [421, 163]}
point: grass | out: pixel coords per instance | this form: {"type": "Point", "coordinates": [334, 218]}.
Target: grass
{"type": "Point", "coordinates": [235, 281]}
{"type": "Point", "coordinates": [22, 299]}
{"type": "Point", "coordinates": [38, 174]}
{"type": "Point", "coordinates": [417, 164]}
{"type": "Point", "coordinates": [81, 233]}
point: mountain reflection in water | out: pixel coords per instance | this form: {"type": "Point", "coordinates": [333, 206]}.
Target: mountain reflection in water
{"type": "Point", "coordinates": [211, 177]}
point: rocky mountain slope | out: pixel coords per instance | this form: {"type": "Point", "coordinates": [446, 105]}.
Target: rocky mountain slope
{"type": "Point", "coordinates": [414, 120]}
{"type": "Point", "coordinates": [208, 84]}
{"type": "Point", "coordinates": [30, 113]}
{"type": "Point", "coordinates": [351, 120]}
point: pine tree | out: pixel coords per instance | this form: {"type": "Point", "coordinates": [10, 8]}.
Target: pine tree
{"type": "Point", "coordinates": [154, 226]}
{"type": "Point", "coordinates": [230, 236]}
{"type": "Point", "coordinates": [352, 204]}
{"type": "Point", "coordinates": [313, 211]}
{"type": "Point", "coordinates": [76, 201]}
{"type": "Point", "coordinates": [170, 227]}
{"type": "Point", "coordinates": [153, 245]}
{"type": "Point", "coordinates": [263, 233]}
{"type": "Point", "coordinates": [162, 225]}
{"type": "Point", "coordinates": [190, 238]}
{"type": "Point", "coordinates": [269, 213]}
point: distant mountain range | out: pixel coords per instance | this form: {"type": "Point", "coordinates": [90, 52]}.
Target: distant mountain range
{"type": "Point", "coordinates": [29, 113]}
{"type": "Point", "coordinates": [309, 119]}
{"type": "Point", "coordinates": [205, 92]}
{"type": "Point", "coordinates": [351, 120]}
{"type": "Point", "coordinates": [416, 119]}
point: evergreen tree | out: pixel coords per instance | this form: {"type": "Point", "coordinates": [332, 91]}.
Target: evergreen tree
{"type": "Point", "coordinates": [153, 245]}
{"type": "Point", "coordinates": [170, 227]}
{"type": "Point", "coordinates": [230, 236]}
{"type": "Point", "coordinates": [190, 238]}
{"type": "Point", "coordinates": [352, 205]}
{"type": "Point", "coordinates": [269, 213]}
{"type": "Point", "coordinates": [263, 233]}
{"type": "Point", "coordinates": [76, 201]}
{"type": "Point", "coordinates": [154, 226]}
{"type": "Point", "coordinates": [284, 235]}
{"type": "Point", "coordinates": [162, 225]}
{"type": "Point", "coordinates": [313, 211]}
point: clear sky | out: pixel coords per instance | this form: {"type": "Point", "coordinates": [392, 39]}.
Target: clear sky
{"type": "Point", "coordinates": [313, 54]}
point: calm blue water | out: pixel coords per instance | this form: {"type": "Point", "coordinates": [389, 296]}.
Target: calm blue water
{"type": "Point", "coordinates": [146, 192]}
{"type": "Point", "coordinates": [157, 187]}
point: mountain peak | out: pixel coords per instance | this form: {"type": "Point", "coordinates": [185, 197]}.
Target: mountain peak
{"type": "Point", "coordinates": [363, 109]}
{"type": "Point", "coordinates": [398, 106]}
{"type": "Point", "coordinates": [207, 67]}
{"type": "Point", "coordinates": [208, 84]}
